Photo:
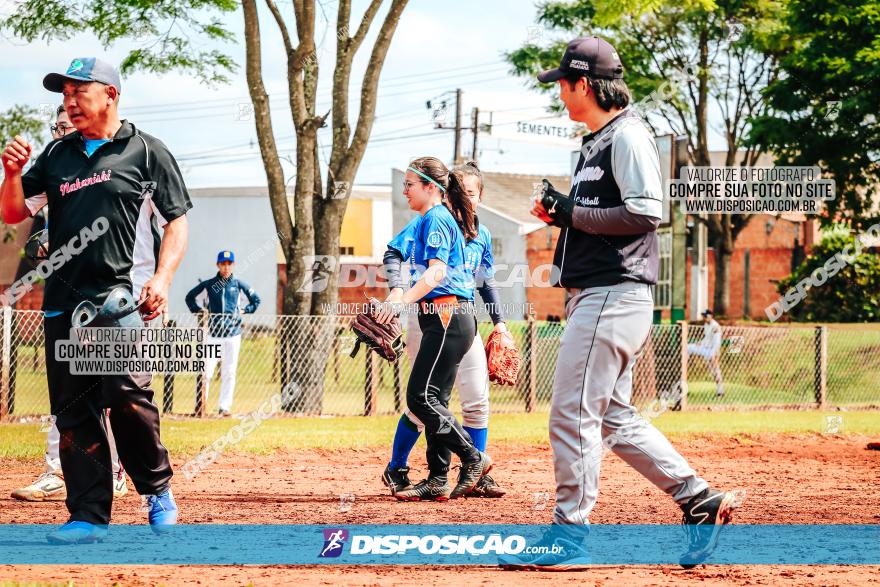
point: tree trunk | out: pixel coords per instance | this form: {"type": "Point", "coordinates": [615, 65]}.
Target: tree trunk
{"type": "Point", "coordinates": [313, 233]}
{"type": "Point", "coordinates": [328, 225]}
{"type": "Point", "coordinates": [266, 139]}
{"type": "Point", "coordinates": [701, 157]}
{"type": "Point", "coordinates": [723, 244]}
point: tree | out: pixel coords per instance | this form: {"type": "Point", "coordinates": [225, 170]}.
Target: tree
{"type": "Point", "coordinates": [27, 122]}
{"type": "Point", "coordinates": [681, 60]}
{"type": "Point", "coordinates": [825, 102]}
{"type": "Point", "coordinates": [171, 35]}
{"type": "Point", "coordinates": [852, 294]}
{"type": "Point", "coordinates": [318, 209]}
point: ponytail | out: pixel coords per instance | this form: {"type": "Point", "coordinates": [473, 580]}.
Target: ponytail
{"type": "Point", "coordinates": [460, 205]}
{"type": "Point", "coordinates": [470, 168]}
{"type": "Point", "coordinates": [451, 184]}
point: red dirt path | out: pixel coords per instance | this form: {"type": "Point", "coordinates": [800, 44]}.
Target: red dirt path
{"type": "Point", "coordinates": [788, 479]}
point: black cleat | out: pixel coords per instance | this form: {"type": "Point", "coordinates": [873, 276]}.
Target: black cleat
{"type": "Point", "coordinates": [487, 487]}
{"type": "Point", "coordinates": [704, 516]}
{"type": "Point", "coordinates": [396, 479]}
{"type": "Point", "coordinates": [431, 489]}
{"type": "Point", "coordinates": [470, 475]}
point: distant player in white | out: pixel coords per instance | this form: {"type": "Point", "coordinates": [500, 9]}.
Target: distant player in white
{"type": "Point", "coordinates": [710, 349]}
{"type": "Point", "coordinates": [223, 295]}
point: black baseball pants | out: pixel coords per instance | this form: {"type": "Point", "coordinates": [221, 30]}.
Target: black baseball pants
{"type": "Point", "coordinates": [77, 402]}
{"type": "Point", "coordinates": [446, 337]}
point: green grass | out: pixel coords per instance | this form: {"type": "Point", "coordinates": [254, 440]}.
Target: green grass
{"type": "Point", "coordinates": [187, 437]}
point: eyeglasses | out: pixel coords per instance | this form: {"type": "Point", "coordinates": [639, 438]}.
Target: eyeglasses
{"type": "Point", "coordinates": [61, 129]}
{"type": "Point", "coordinates": [409, 184]}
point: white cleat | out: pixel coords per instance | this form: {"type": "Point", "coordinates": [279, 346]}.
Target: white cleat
{"type": "Point", "coordinates": [120, 486]}
{"type": "Point", "coordinates": [48, 487]}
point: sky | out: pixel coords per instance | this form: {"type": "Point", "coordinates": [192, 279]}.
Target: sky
{"type": "Point", "coordinates": [437, 48]}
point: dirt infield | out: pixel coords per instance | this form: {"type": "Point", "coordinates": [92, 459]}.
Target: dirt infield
{"type": "Point", "coordinates": [788, 479]}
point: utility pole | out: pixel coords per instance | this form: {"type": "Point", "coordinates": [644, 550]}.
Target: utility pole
{"type": "Point", "coordinates": [456, 156]}
{"type": "Point", "coordinates": [438, 105]}
{"type": "Point", "coordinates": [475, 129]}
{"type": "Point", "coordinates": [699, 268]}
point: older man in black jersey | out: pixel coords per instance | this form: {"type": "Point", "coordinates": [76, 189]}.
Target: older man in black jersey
{"type": "Point", "coordinates": [109, 175]}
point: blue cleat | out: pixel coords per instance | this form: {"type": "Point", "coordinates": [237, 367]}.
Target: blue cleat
{"type": "Point", "coordinates": [162, 511]}
{"type": "Point", "coordinates": [562, 548]}
{"type": "Point", "coordinates": [78, 533]}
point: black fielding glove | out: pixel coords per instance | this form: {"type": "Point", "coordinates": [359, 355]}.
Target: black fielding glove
{"type": "Point", "coordinates": [559, 206]}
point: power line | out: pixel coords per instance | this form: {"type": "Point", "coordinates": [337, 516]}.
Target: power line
{"type": "Point", "coordinates": [439, 87]}
{"type": "Point", "coordinates": [237, 158]}
{"type": "Point", "coordinates": [283, 99]}
{"type": "Point", "coordinates": [397, 130]}
{"type": "Point", "coordinates": [421, 135]}
{"type": "Point", "coordinates": [381, 137]}
{"type": "Point", "coordinates": [198, 104]}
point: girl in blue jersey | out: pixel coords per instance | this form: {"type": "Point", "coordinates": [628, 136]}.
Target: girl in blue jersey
{"type": "Point", "coordinates": [472, 377]}
{"type": "Point", "coordinates": [443, 291]}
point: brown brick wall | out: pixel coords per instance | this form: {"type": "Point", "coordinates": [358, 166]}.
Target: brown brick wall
{"type": "Point", "coordinates": [770, 260]}
{"type": "Point", "coordinates": [546, 301]}
{"type": "Point", "coordinates": [32, 300]}
{"type": "Point", "coordinates": [766, 267]}
{"type": "Point", "coordinates": [781, 236]}
{"type": "Point", "coordinates": [347, 295]}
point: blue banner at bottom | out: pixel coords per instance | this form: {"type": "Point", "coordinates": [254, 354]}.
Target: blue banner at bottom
{"type": "Point", "coordinates": [413, 544]}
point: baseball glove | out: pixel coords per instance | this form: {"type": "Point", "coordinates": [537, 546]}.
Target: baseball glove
{"type": "Point", "coordinates": [503, 358]}
{"type": "Point", "coordinates": [385, 339]}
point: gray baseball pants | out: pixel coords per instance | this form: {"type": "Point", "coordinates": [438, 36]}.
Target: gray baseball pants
{"type": "Point", "coordinates": [606, 329]}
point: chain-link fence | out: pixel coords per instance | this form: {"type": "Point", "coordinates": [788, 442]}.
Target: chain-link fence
{"type": "Point", "coordinates": [306, 359]}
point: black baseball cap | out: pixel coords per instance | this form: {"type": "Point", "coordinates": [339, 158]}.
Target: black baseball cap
{"type": "Point", "coordinates": [588, 56]}
{"type": "Point", "coordinates": [84, 69]}
{"type": "Point", "coordinates": [708, 312]}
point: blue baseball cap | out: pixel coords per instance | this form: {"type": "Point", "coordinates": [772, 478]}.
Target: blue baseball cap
{"type": "Point", "coordinates": [226, 257]}
{"type": "Point", "coordinates": [84, 69]}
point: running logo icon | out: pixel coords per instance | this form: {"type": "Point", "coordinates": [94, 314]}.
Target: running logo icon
{"type": "Point", "coordinates": [148, 188]}
{"type": "Point", "coordinates": [334, 540]}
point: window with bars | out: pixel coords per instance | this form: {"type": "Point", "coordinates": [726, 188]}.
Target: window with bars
{"type": "Point", "coordinates": [663, 289]}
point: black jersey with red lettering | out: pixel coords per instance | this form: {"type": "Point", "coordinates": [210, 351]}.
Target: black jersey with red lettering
{"type": "Point", "coordinates": [114, 202]}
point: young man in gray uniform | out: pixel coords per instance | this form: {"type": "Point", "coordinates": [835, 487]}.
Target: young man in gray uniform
{"type": "Point", "coordinates": [607, 257]}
